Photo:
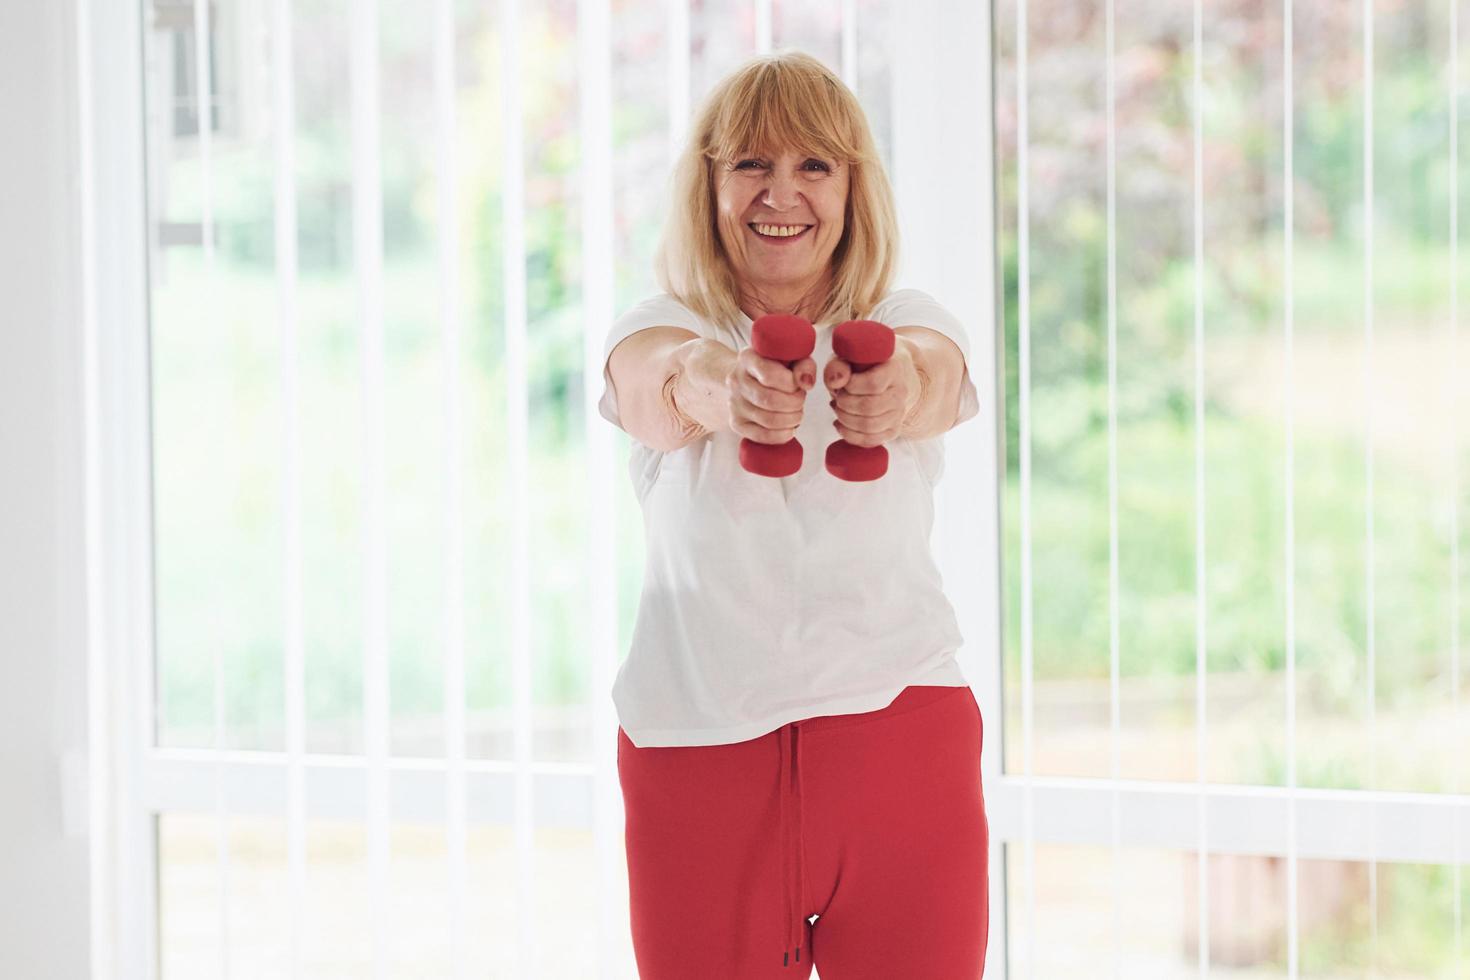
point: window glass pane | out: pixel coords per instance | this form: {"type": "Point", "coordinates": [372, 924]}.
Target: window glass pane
{"type": "Point", "coordinates": [215, 381]}
{"type": "Point", "coordinates": [1144, 911]}
{"type": "Point", "coordinates": [1242, 307]}
{"type": "Point", "coordinates": [414, 402]}
{"type": "Point", "coordinates": [189, 897]}
{"type": "Point", "coordinates": [569, 904]}
{"type": "Point", "coordinates": [335, 936]}
{"type": "Point", "coordinates": [1068, 422]}
{"type": "Point", "coordinates": [1408, 392]}
{"type": "Point", "coordinates": [487, 530]}
{"type": "Point", "coordinates": [815, 28]}
{"type": "Point", "coordinates": [875, 72]}
{"type": "Point", "coordinates": [330, 358]}
{"type": "Point", "coordinates": [1402, 607]}
{"type": "Point", "coordinates": [558, 501]}
{"type": "Point", "coordinates": [219, 373]}
{"type": "Point", "coordinates": [334, 924]}
{"type": "Point", "coordinates": [720, 37]}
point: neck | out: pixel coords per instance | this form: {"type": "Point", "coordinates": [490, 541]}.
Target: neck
{"type": "Point", "coordinates": [805, 299]}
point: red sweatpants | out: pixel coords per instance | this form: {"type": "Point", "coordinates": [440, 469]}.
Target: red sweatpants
{"type": "Point", "coordinates": [874, 823]}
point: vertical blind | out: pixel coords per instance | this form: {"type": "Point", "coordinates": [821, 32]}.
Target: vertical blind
{"type": "Point", "coordinates": [400, 583]}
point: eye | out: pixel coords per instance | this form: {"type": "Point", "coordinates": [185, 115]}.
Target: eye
{"type": "Point", "coordinates": [821, 165]}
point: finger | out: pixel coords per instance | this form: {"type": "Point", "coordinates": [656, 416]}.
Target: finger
{"type": "Point", "coordinates": [871, 424]}
{"type": "Point", "coordinates": [746, 382]}
{"type": "Point", "coordinates": [748, 419]}
{"type": "Point", "coordinates": [771, 373]}
{"type": "Point", "coordinates": [773, 409]}
{"type": "Point", "coordinates": [857, 437]}
{"type": "Point", "coordinates": [759, 433]}
{"type": "Point", "coordinates": [874, 379]}
{"type": "Point", "coordinates": [770, 398]}
{"type": "Point", "coordinates": [838, 372]}
{"type": "Point", "coordinates": [805, 371]}
{"type": "Point", "coordinates": [862, 405]}
{"type": "Point", "coordinates": [774, 420]}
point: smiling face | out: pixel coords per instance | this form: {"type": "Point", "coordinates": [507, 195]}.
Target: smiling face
{"type": "Point", "coordinates": [780, 219]}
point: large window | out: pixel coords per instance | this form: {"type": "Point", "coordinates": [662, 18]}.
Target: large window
{"type": "Point", "coordinates": [378, 488]}
{"type": "Point", "coordinates": [379, 559]}
{"type": "Point", "coordinates": [1235, 505]}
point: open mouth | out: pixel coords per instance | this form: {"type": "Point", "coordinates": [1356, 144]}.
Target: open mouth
{"type": "Point", "coordinates": [779, 234]}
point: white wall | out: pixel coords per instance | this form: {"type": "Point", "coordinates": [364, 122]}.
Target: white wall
{"type": "Point", "coordinates": [44, 931]}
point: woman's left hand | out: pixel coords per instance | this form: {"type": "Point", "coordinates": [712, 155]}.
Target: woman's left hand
{"type": "Point", "coordinates": [872, 405]}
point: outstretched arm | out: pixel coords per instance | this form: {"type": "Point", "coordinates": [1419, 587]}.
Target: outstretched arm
{"type": "Point", "coordinates": [941, 368]}
{"type": "Point", "coordinates": [649, 370]}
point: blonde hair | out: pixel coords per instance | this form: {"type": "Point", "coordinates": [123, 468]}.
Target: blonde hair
{"type": "Point", "coordinates": [786, 100]}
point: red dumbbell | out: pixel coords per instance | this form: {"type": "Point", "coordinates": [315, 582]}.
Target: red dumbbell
{"type": "Point", "coordinates": [787, 338]}
{"type": "Point", "coordinates": [863, 344]}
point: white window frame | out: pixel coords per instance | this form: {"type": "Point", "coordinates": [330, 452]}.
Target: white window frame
{"type": "Point", "coordinates": [119, 534]}
{"type": "Point", "coordinates": [948, 247]}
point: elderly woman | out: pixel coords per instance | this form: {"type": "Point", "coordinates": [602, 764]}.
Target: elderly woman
{"type": "Point", "coordinates": [798, 751]}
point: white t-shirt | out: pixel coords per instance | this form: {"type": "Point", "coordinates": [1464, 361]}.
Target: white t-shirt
{"type": "Point", "coordinates": [773, 599]}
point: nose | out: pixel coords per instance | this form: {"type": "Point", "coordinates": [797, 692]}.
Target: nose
{"type": "Point", "coordinates": [781, 193]}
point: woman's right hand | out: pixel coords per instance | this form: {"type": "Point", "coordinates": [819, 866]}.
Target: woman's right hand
{"type": "Point", "coordinates": [767, 397]}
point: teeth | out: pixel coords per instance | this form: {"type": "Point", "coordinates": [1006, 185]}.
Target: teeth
{"type": "Point", "coordinates": [780, 231]}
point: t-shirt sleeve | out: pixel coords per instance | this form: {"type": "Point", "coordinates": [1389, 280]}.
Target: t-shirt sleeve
{"type": "Point", "coordinates": [656, 311]}
{"type": "Point", "coordinates": [915, 308]}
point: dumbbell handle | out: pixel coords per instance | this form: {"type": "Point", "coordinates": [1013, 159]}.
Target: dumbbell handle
{"type": "Point", "coordinates": [787, 338]}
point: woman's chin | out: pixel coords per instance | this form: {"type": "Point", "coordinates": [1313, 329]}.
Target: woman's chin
{"type": "Point", "coordinates": [777, 279]}
{"type": "Point", "coordinates": [783, 269]}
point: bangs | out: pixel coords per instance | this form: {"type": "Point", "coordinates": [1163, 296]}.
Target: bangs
{"type": "Point", "coordinates": [774, 109]}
